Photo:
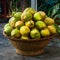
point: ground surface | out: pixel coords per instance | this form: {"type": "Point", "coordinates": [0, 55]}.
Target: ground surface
{"type": "Point", "coordinates": [7, 51]}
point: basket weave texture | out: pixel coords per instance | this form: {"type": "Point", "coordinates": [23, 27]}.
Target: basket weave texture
{"type": "Point", "coordinates": [29, 47]}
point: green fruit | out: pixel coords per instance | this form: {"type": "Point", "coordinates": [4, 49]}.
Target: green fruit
{"type": "Point", "coordinates": [12, 22]}
{"type": "Point", "coordinates": [37, 16]}
{"type": "Point", "coordinates": [30, 24]}
{"type": "Point", "coordinates": [8, 30]}
{"type": "Point", "coordinates": [52, 29]}
{"type": "Point", "coordinates": [45, 32]}
{"type": "Point", "coordinates": [30, 10]}
{"type": "Point", "coordinates": [19, 24]}
{"type": "Point", "coordinates": [35, 33]}
{"type": "Point", "coordinates": [40, 24]}
{"type": "Point", "coordinates": [15, 33]}
{"type": "Point", "coordinates": [6, 25]}
{"type": "Point", "coordinates": [24, 37]}
{"type": "Point", "coordinates": [17, 15]}
{"type": "Point", "coordinates": [24, 30]}
{"type": "Point", "coordinates": [26, 16]}
{"type": "Point", "coordinates": [13, 13]}
{"type": "Point", "coordinates": [49, 21]}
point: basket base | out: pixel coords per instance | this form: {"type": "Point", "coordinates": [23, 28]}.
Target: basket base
{"type": "Point", "coordinates": [30, 53]}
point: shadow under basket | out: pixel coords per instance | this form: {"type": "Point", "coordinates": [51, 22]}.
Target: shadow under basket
{"type": "Point", "coordinates": [31, 47]}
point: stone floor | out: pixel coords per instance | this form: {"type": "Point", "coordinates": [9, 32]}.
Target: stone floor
{"type": "Point", "coordinates": [7, 51]}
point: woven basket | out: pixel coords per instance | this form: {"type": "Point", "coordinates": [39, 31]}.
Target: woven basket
{"type": "Point", "coordinates": [31, 47]}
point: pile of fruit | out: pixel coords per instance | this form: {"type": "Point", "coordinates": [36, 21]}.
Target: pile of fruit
{"type": "Point", "coordinates": [30, 24]}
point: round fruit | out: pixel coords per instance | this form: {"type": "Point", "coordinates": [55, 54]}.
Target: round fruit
{"type": "Point", "coordinates": [6, 25]}
{"type": "Point", "coordinates": [12, 22]}
{"type": "Point", "coordinates": [40, 24]}
{"type": "Point", "coordinates": [52, 29]}
{"type": "Point", "coordinates": [49, 21]}
{"type": "Point", "coordinates": [19, 24]}
{"type": "Point", "coordinates": [43, 14]}
{"type": "Point", "coordinates": [30, 10]}
{"type": "Point", "coordinates": [13, 13]}
{"type": "Point", "coordinates": [45, 32]}
{"type": "Point", "coordinates": [30, 24]}
{"type": "Point", "coordinates": [15, 33]}
{"type": "Point", "coordinates": [37, 16]}
{"type": "Point", "coordinates": [17, 15]}
{"type": "Point", "coordinates": [8, 30]}
{"type": "Point", "coordinates": [24, 37]}
{"type": "Point", "coordinates": [26, 16]}
{"type": "Point", "coordinates": [35, 33]}
{"type": "Point", "coordinates": [24, 30]}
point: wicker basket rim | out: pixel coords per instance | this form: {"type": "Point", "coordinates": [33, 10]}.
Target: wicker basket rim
{"type": "Point", "coordinates": [30, 40]}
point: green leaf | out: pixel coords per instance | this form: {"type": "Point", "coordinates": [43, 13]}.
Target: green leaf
{"type": "Point", "coordinates": [56, 25]}
{"type": "Point", "coordinates": [57, 20]}
{"type": "Point", "coordinates": [49, 12]}
{"type": "Point", "coordinates": [54, 11]}
{"type": "Point", "coordinates": [58, 30]}
{"type": "Point", "coordinates": [55, 17]}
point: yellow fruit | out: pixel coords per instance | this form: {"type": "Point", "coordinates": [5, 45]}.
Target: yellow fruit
{"type": "Point", "coordinates": [45, 32]}
{"type": "Point", "coordinates": [30, 24]}
{"type": "Point", "coordinates": [24, 30]}
{"type": "Point", "coordinates": [19, 24]}
{"type": "Point", "coordinates": [43, 14]}
{"type": "Point", "coordinates": [52, 29]}
{"type": "Point", "coordinates": [24, 37]}
{"type": "Point", "coordinates": [40, 24]}
{"type": "Point", "coordinates": [49, 21]}
{"type": "Point", "coordinates": [30, 10]}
